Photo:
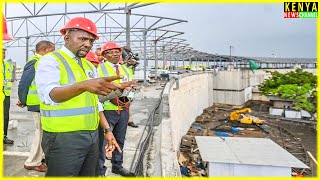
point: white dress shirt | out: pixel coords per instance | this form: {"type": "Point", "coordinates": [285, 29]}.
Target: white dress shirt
{"type": "Point", "coordinates": [38, 54]}
{"type": "Point", "coordinates": [47, 77]}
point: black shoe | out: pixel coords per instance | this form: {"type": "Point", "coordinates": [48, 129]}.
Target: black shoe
{"type": "Point", "coordinates": [132, 124]}
{"type": "Point", "coordinates": [123, 172]}
{"type": "Point", "coordinates": [7, 140]}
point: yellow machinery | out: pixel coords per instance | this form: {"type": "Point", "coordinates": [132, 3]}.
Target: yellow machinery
{"type": "Point", "coordinates": [245, 118]}
{"type": "Point", "coordinates": [235, 115]}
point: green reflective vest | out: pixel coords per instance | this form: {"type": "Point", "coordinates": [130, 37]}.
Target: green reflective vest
{"type": "Point", "coordinates": [33, 97]}
{"type": "Point", "coordinates": [130, 72]}
{"type": "Point", "coordinates": [78, 113]}
{"type": "Point", "coordinates": [7, 76]}
{"type": "Point", "coordinates": [106, 70]}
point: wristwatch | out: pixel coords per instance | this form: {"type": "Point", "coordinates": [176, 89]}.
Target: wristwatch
{"type": "Point", "coordinates": [107, 130]}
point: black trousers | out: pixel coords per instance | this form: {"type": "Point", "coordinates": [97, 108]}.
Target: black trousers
{"type": "Point", "coordinates": [119, 122]}
{"type": "Point", "coordinates": [71, 153]}
{"type": "Point", "coordinates": [6, 109]}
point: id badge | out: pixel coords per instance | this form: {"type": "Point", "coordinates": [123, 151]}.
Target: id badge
{"type": "Point", "coordinates": [124, 79]}
{"type": "Point", "coordinates": [90, 74]}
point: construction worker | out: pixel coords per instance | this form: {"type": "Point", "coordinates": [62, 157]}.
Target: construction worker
{"type": "Point", "coordinates": [28, 96]}
{"type": "Point", "coordinates": [68, 85]}
{"type": "Point", "coordinates": [116, 109]}
{"type": "Point", "coordinates": [93, 58]}
{"type": "Point", "coordinates": [130, 65]}
{"type": "Point", "coordinates": [7, 83]}
{"type": "Point", "coordinates": [100, 57]}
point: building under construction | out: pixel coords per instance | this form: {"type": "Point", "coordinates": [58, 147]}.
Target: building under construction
{"type": "Point", "coordinates": [177, 136]}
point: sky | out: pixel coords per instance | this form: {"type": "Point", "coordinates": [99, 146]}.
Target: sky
{"type": "Point", "coordinates": [253, 30]}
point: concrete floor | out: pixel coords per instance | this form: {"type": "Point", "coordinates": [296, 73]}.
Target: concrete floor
{"type": "Point", "coordinates": [15, 155]}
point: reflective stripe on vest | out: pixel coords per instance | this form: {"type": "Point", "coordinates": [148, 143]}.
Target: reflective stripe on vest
{"type": "Point", "coordinates": [125, 70]}
{"type": "Point", "coordinates": [106, 70]}
{"type": "Point", "coordinates": [32, 96]}
{"type": "Point", "coordinates": [78, 113]}
{"type": "Point", "coordinates": [7, 75]}
{"type": "Point", "coordinates": [89, 66]}
{"type": "Point", "coordinates": [129, 72]}
{"type": "Point", "coordinates": [32, 92]}
{"type": "Point", "coordinates": [70, 74]}
{"type": "Point", "coordinates": [67, 112]}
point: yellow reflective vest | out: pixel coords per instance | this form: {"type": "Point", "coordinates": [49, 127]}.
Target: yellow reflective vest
{"type": "Point", "coordinates": [33, 97]}
{"type": "Point", "coordinates": [7, 76]}
{"type": "Point", "coordinates": [106, 70]}
{"type": "Point", "coordinates": [129, 70]}
{"type": "Point", "coordinates": [78, 113]}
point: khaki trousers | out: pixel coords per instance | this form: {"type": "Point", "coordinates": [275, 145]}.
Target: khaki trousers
{"type": "Point", "coordinates": [130, 116]}
{"type": "Point", "coordinates": [35, 155]}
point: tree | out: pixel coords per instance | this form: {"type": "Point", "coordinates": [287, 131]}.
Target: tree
{"type": "Point", "coordinates": [298, 86]}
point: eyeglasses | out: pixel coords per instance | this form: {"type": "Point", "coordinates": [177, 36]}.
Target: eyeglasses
{"type": "Point", "coordinates": [112, 52]}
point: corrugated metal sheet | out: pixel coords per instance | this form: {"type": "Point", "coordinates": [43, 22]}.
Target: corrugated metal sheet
{"type": "Point", "coordinates": [254, 151]}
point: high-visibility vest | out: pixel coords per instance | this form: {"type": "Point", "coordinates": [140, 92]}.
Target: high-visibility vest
{"type": "Point", "coordinates": [130, 72]}
{"type": "Point", "coordinates": [7, 76]}
{"type": "Point", "coordinates": [33, 97]}
{"type": "Point", "coordinates": [107, 70]}
{"type": "Point", "coordinates": [78, 113]}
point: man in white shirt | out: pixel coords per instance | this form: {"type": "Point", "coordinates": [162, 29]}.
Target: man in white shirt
{"type": "Point", "coordinates": [69, 115]}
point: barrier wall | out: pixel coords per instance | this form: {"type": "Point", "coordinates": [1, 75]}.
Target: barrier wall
{"type": "Point", "coordinates": [183, 100]}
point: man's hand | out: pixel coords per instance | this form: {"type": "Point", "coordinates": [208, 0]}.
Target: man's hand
{"type": "Point", "coordinates": [20, 104]}
{"type": "Point", "coordinates": [102, 86]}
{"type": "Point", "coordinates": [111, 142]}
{"type": "Point", "coordinates": [125, 85]}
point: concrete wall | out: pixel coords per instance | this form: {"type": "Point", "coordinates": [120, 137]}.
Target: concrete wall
{"type": "Point", "coordinates": [187, 102]}
{"type": "Point", "coordinates": [256, 95]}
{"type": "Point", "coordinates": [281, 104]}
{"type": "Point", "coordinates": [180, 108]}
{"type": "Point", "coordinates": [235, 86]}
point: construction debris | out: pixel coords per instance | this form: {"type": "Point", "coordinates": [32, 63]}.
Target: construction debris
{"type": "Point", "coordinates": [215, 122]}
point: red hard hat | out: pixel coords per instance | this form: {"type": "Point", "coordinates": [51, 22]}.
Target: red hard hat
{"type": "Point", "coordinates": [80, 23]}
{"type": "Point", "coordinates": [5, 34]}
{"type": "Point", "coordinates": [92, 57]}
{"type": "Point", "coordinates": [109, 46]}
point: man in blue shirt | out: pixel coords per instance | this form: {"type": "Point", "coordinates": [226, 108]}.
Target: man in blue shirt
{"type": "Point", "coordinates": [29, 97]}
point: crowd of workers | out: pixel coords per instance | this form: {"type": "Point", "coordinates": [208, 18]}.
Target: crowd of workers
{"type": "Point", "coordinates": [79, 100]}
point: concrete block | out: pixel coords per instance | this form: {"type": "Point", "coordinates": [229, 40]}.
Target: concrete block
{"type": "Point", "coordinates": [275, 111]}
{"type": "Point", "coordinates": [292, 114]}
